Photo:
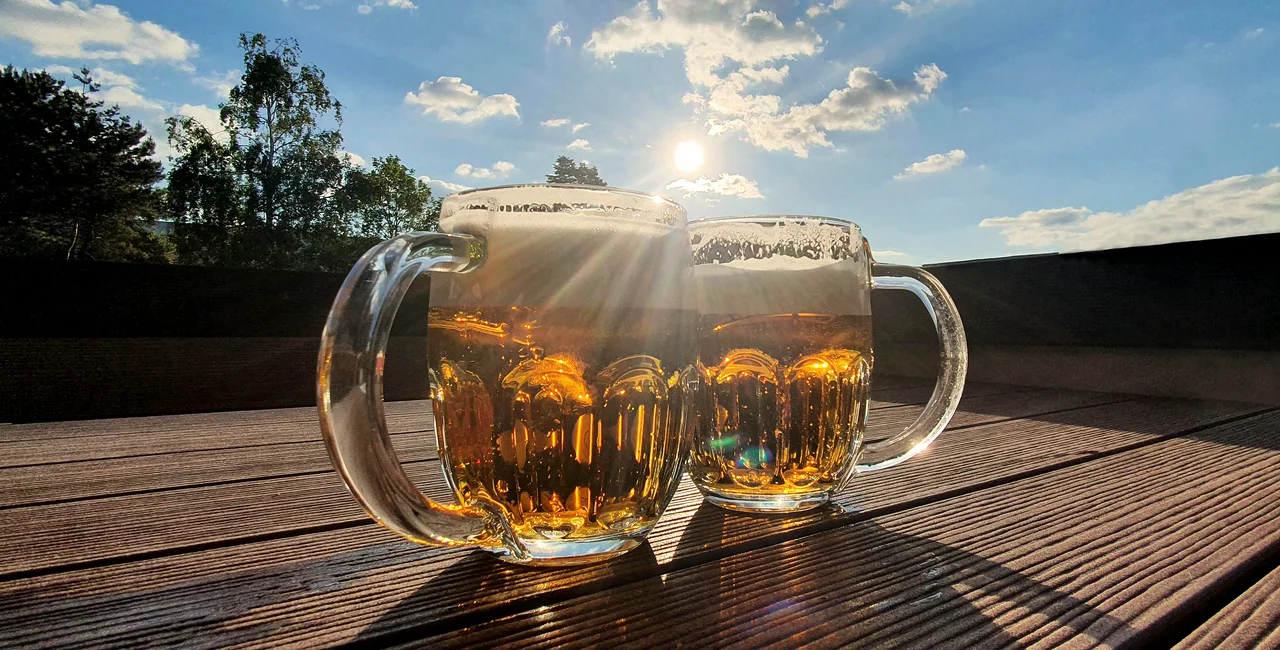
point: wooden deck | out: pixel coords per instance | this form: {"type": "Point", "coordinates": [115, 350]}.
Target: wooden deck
{"type": "Point", "coordinates": [1042, 517]}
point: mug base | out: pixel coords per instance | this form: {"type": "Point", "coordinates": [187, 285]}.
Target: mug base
{"type": "Point", "coordinates": [560, 552]}
{"type": "Point", "coordinates": [765, 504]}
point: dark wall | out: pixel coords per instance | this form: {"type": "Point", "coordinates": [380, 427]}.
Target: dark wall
{"type": "Point", "coordinates": [1215, 294]}
{"type": "Point", "coordinates": [87, 340]}
{"type": "Point", "coordinates": [83, 339]}
{"type": "Point", "coordinates": [112, 300]}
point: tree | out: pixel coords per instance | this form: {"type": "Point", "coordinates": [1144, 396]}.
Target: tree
{"type": "Point", "coordinates": [567, 171]}
{"type": "Point", "coordinates": [386, 201]}
{"type": "Point", "coordinates": [257, 193]}
{"type": "Point", "coordinates": [77, 179]}
{"type": "Point", "coordinates": [372, 206]}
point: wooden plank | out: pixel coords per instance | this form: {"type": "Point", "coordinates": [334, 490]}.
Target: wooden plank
{"type": "Point", "coordinates": [1250, 621]}
{"type": "Point", "coordinates": [150, 470]}
{"type": "Point", "coordinates": [414, 416]}
{"type": "Point", "coordinates": [896, 397]}
{"type": "Point", "coordinates": [1100, 554]}
{"type": "Point", "coordinates": [989, 408]}
{"type": "Point", "coordinates": [42, 484]}
{"type": "Point", "coordinates": [152, 522]}
{"type": "Point", "coordinates": [151, 424]}
{"type": "Point", "coordinates": [365, 580]}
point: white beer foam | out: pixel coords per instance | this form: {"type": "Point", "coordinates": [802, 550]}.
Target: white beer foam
{"type": "Point", "coordinates": [784, 266]}
{"type": "Point", "coordinates": [569, 259]}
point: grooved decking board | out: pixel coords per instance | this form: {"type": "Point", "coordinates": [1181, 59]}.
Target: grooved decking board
{"type": "Point", "coordinates": [152, 471]}
{"type": "Point", "coordinates": [186, 422]}
{"type": "Point", "coordinates": [1105, 553]}
{"type": "Point", "coordinates": [365, 580]}
{"type": "Point", "coordinates": [91, 530]}
{"type": "Point", "coordinates": [1250, 621]}
{"type": "Point", "coordinates": [116, 476]}
{"type": "Point", "coordinates": [40, 537]}
{"type": "Point", "coordinates": [895, 397]}
{"type": "Point", "coordinates": [415, 416]}
{"type": "Point", "coordinates": [973, 411]}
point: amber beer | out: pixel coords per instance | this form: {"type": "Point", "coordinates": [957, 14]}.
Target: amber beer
{"type": "Point", "coordinates": [559, 371]}
{"type": "Point", "coordinates": [784, 343]}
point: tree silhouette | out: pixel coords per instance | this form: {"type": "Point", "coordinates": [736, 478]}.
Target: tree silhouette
{"type": "Point", "coordinates": [77, 179]}
{"type": "Point", "coordinates": [566, 171]}
{"type": "Point", "coordinates": [256, 193]}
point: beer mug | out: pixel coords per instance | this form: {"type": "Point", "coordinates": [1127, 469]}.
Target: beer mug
{"type": "Point", "coordinates": [784, 360]}
{"type": "Point", "coordinates": [560, 341]}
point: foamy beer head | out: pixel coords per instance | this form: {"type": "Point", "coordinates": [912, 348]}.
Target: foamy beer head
{"type": "Point", "coordinates": [557, 246]}
{"type": "Point", "coordinates": [777, 265]}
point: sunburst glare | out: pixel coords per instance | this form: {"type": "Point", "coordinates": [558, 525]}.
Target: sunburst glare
{"type": "Point", "coordinates": [688, 156]}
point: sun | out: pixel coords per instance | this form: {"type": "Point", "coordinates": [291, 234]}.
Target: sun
{"type": "Point", "coordinates": [688, 156]}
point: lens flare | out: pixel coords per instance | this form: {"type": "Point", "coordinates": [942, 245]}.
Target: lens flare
{"type": "Point", "coordinates": [688, 156]}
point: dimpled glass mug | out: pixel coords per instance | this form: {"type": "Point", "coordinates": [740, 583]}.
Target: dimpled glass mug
{"type": "Point", "coordinates": [560, 342]}
{"type": "Point", "coordinates": [784, 360]}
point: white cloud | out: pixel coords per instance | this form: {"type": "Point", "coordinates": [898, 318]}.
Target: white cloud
{"type": "Point", "coordinates": [580, 126]}
{"type": "Point", "coordinates": [445, 187]}
{"type": "Point", "coordinates": [84, 30]}
{"type": "Point", "coordinates": [353, 158]}
{"type": "Point", "coordinates": [220, 83]}
{"type": "Point", "coordinates": [557, 36]}
{"type": "Point", "coordinates": [964, 110]}
{"type": "Point", "coordinates": [726, 185]}
{"type": "Point", "coordinates": [715, 35]}
{"type": "Point", "coordinates": [367, 8]}
{"type": "Point", "coordinates": [126, 97]}
{"type": "Point", "coordinates": [579, 144]}
{"type": "Point", "coordinates": [500, 169]}
{"type": "Point", "coordinates": [1239, 205]}
{"type": "Point", "coordinates": [207, 117]}
{"type": "Point", "coordinates": [1275, 125]}
{"type": "Point", "coordinates": [1254, 33]}
{"type": "Point", "coordinates": [935, 163]}
{"type": "Point", "coordinates": [883, 254]}
{"type": "Point", "coordinates": [453, 101]}
{"type": "Point", "coordinates": [819, 9]}
{"type": "Point", "coordinates": [556, 122]}
{"type": "Point", "coordinates": [710, 33]}
{"type": "Point", "coordinates": [921, 7]}
{"type": "Point", "coordinates": [117, 89]}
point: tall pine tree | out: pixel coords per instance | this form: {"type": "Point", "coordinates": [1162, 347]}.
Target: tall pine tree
{"type": "Point", "coordinates": [77, 179]}
{"type": "Point", "coordinates": [568, 172]}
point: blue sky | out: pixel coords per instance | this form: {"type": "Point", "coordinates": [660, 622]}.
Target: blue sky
{"type": "Point", "coordinates": [949, 129]}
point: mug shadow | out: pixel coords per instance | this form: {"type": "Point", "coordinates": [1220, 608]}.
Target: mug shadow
{"type": "Point", "coordinates": [479, 587]}
{"type": "Point", "coordinates": [856, 585]}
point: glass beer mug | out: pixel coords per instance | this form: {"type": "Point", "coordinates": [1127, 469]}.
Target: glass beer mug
{"type": "Point", "coordinates": [784, 360]}
{"type": "Point", "coordinates": [560, 342]}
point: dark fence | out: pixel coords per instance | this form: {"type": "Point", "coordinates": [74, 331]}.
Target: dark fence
{"type": "Point", "coordinates": [1194, 319]}
{"type": "Point", "coordinates": [83, 339]}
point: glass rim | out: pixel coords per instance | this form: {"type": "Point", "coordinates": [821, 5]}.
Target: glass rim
{"type": "Point", "coordinates": [773, 218]}
{"type": "Point", "coordinates": [656, 198]}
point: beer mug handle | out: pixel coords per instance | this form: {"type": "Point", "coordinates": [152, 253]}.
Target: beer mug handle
{"type": "Point", "coordinates": [349, 393]}
{"type": "Point", "coordinates": [953, 362]}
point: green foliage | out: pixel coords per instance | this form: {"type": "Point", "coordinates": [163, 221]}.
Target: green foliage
{"type": "Point", "coordinates": [77, 179]}
{"type": "Point", "coordinates": [387, 200]}
{"type": "Point", "coordinates": [372, 206]}
{"type": "Point", "coordinates": [257, 194]}
{"type": "Point", "coordinates": [566, 171]}
{"type": "Point", "coordinates": [270, 189]}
